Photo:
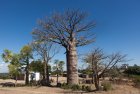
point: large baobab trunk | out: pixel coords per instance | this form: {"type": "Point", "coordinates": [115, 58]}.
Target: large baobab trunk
{"type": "Point", "coordinates": [72, 72]}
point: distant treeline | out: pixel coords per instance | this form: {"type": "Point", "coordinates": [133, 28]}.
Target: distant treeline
{"type": "Point", "coordinates": [133, 70]}
{"type": "Point", "coordinates": [4, 75]}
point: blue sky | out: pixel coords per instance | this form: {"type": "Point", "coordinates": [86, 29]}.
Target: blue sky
{"type": "Point", "coordinates": [117, 28]}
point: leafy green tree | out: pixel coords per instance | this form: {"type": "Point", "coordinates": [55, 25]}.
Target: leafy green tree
{"type": "Point", "coordinates": [85, 71]}
{"type": "Point", "coordinates": [70, 30]}
{"type": "Point", "coordinates": [7, 55]}
{"type": "Point", "coordinates": [58, 68]}
{"type": "Point", "coordinates": [14, 70]}
{"type": "Point", "coordinates": [14, 60]}
{"type": "Point", "coordinates": [38, 66]}
{"type": "Point", "coordinates": [25, 56]}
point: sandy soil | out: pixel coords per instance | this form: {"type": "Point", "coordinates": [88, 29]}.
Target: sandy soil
{"type": "Point", "coordinates": [31, 90]}
{"type": "Point", "coordinates": [119, 89]}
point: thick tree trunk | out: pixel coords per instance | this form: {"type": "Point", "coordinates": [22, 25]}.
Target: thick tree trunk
{"type": "Point", "coordinates": [46, 70]}
{"type": "Point", "coordinates": [72, 72]}
{"type": "Point", "coordinates": [92, 78]}
{"type": "Point", "coordinates": [16, 80]}
{"type": "Point", "coordinates": [96, 81]}
{"type": "Point", "coordinates": [96, 77]}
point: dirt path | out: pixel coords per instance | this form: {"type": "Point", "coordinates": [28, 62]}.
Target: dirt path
{"type": "Point", "coordinates": [31, 90]}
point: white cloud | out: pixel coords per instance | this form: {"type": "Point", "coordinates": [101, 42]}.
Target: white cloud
{"type": "Point", "coordinates": [3, 67]}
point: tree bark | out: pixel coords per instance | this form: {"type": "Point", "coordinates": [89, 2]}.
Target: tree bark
{"type": "Point", "coordinates": [48, 80]}
{"type": "Point", "coordinates": [96, 77]}
{"type": "Point", "coordinates": [96, 81]}
{"type": "Point", "coordinates": [72, 72]}
{"type": "Point", "coordinates": [92, 72]}
{"type": "Point", "coordinates": [44, 75]}
{"type": "Point", "coordinates": [27, 72]}
{"type": "Point", "coordinates": [16, 80]}
{"type": "Point", "coordinates": [46, 70]}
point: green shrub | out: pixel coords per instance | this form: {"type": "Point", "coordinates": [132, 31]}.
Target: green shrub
{"type": "Point", "coordinates": [65, 86]}
{"type": "Point", "coordinates": [106, 86]}
{"type": "Point", "coordinates": [75, 87]}
{"type": "Point", "coordinates": [86, 88]}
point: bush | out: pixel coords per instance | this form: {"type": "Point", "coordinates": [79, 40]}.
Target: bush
{"type": "Point", "coordinates": [65, 86]}
{"type": "Point", "coordinates": [107, 86]}
{"type": "Point", "coordinates": [136, 80]}
{"type": "Point", "coordinates": [86, 88]}
{"type": "Point", "coordinates": [20, 85]}
{"type": "Point", "coordinates": [8, 84]}
{"type": "Point", "coordinates": [83, 88]}
{"type": "Point", "coordinates": [76, 87]}
{"type": "Point", "coordinates": [73, 87]}
{"type": "Point", "coordinates": [33, 83]}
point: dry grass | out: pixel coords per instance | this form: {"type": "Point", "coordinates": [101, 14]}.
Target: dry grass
{"type": "Point", "coordinates": [118, 89]}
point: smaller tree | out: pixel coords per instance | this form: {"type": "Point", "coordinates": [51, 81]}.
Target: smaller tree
{"type": "Point", "coordinates": [58, 68]}
{"type": "Point", "coordinates": [14, 60]}
{"type": "Point", "coordinates": [101, 64]}
{"type": "Point", "coordinates": [38, 66]}
{"type": "Point", "coordinates": [114, 72]}
{"type": "Point", "coordinates": [25, 56]}
{"type": "Point", "coordinates": [7, 55]}
{"type": "Point", "coordinates": [14, 70]}
{"type": "Point", "coordinates": [46, 49]}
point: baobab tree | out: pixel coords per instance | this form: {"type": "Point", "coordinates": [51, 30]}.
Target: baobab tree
{"type": "Point", "coordinates": [101, 63]}
{"type": "Point", "coordinates": [70, 29]}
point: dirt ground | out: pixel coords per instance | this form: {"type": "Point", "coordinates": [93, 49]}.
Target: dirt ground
{"type": "Point", "coordinates": [119, 89]}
